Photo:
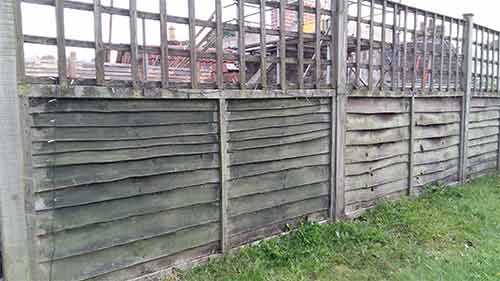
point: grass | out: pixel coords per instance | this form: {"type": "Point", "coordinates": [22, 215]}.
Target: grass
{"type": "Point", "coordinates": [447, 234]}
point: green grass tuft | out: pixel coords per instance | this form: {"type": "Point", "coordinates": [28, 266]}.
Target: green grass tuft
{"type": "Point", "coordinates": [446, 234]}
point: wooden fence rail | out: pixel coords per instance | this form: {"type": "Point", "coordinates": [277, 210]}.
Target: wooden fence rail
{"type": "Point", "coordinates": [125, 177]}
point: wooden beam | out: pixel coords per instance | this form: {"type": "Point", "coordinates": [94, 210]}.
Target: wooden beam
{"type": "Point", "coordinates": [134, 49]}
{"type": "Point", "coordinates": [219, 45]}
{"type": "Point", "coordinates": [192, 43]}
{"type": "Point", "coordinates": [282, 49]}
{"type": "Point", "coordinates": [263, 47]}
{"type": "Point", "coordinates": [61, 44]}
{"type": "Point", "coordinates": [242, 44]}
{"type": "Point", "coordinates": [370, 50]}
{"type": "Point", "coordinates": [411, 145]}
{"type": "Point", "coordinates": [16, 244]}
{"type": "Point", "coordinates": [21, 72]}
{"type": "Point", "coordinates": [224, 174]}
{"type": "Point", "coordinates": [300, 46]}
{"type": "Point", "coordinates": [339, 8]}
{"type": "Point", "coordinates": [100, 54]}
{"type": "Point", "coordinates": [467, 86]}
{"type": "Point", "coordinates": [164, 44]}
{"type": "Point", "coordinates": [317, 49]}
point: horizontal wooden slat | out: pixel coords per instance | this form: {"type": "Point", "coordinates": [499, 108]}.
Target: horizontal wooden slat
{"type": "Point", "coordinates": [268, 142]}
{"type": "Point", "coordinates": [377, 137]}
{"type": "Point", "coordinates": [437, 155]}
{"type": "Point", "coordinates": [254, 203]}
{"type": "Point", "coordinates": [102, 236]}
{"type": "Point", "coordinates": [356, 154]}
{"type": "Point", "coordinates": [86, 215]}
{"type": "Point", "coordinates": [248, 222]}
{"type": "Point", "coordinates": [367, 195]}
{"type": "Point", "coordinates": [360, 122]}
{"type": "Point", "coordinates": [376, 178]}
{"type": "Point", "coordinates": [431, 144]}
{"type": "Point", "coordinates": [437, 131]}
{"type": "Point", "coordinates": [121, 119]}
{"type": "Point", "coordinates": [278, 132]}
{"type": "Point", "coordinates": [47, 148]}
{"type": "Point", "coordinates": [49, 178]}
{"type": "Point", "coordinates": [478, 133]}
{"type": "Point", "coordinates": [277, 153]}
{"type": "Point", "coordinates": [101, 262]}
{"type": "Point", "coordinates": [431, 105]}
{"type": "Point", "coordinates": [377, 105]}
{"type": "Point", "coordinates": [278, 122]}
{"type": "Point", "coordinates": [278, 181]}
{"type": "Point", "coordinates": [111, 156]}
{"type": "Point", "coordinates": [356, 169]}
{"type": "Point", "coordinates": [434, 167]}
{"type": "Point", "coordinates": [130, 187]}
{"type": "Point", "coordinates": [42, 105]}
{"type": "Point", "coordinates": [123, 133]}
{"type": "Point", "coordinates": [429, 119]}
{"type": "Point", "coordinates": [253, 105]}
{"type": "Point", "coordinates": [270, 167]}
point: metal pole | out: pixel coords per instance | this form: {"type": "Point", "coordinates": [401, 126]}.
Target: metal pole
{"type": "Point", "coordinates": [14, 231]}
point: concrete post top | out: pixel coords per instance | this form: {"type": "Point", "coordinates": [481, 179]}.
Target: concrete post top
{"type": "Point", "coordinates": [468, 16]}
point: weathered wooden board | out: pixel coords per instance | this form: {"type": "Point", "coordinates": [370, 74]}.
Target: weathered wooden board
{"type": "Point", "coordinates": [356, 154]}
{"type": "Point", "coordinates": [425, 145]}
{"type": "Point", "coordinates": [84, 215]}
{"type": "Point", "coordinates": [484, 102]}
{"type": "Point", "coordinates": [482, 149]}
{"type": "Point", "coordinates": [381, 191]}
{"type": "Point", "coordinates": [278, 122]}
{"type": "Point", "coordinates": [47, 148]}
{"type": "Point", "coordinates": [271, 104]}
{"type": "Point", "coordinates": [437, 155]}
{"type": "Point", "coordinates": [484, 124]}
{"type": "Point", "coordinates": [90, 119]}
{"type": "Point", "coordinates": [378, 177]}
{"type": "Point", "coordinates": [261, 201]}
{"type": "Point", "coordinates": [247, 222]}
{"type": "Point", "coordinates": [130, 187]}
{"type": "Point", "coordinates": [438, 177]}
{"type": "Point", "coordinates": [363, 122]}
{"type": "Point", "coordinates": [41, 105]}
{"type": "Point", "coordinates": [260, 114]}
{"type": "Point", "coordinates": [356, 169]}
{"type": "Point", "coordinates": [484, 140]}
{"type": "Point", "coordinates": [278, 132]}
{"type": "Point", "coordinates": [277, 141]}
{"type": "Point", "coordinates": [484, 115]}
{"type": "Point", "coordinates": [431, 168]}
{"type": "Point", "coordinates": [111, 156]}
{"type": "Point", "coordinates": [430, 119]}
{"type": "Point", "coordinates": [105, 261]}
{"type": "Point", "coordinates": [437, 131]}
{"type": "Point", "coordinates": [366, 105]}
{"type": "Point", "coordinates": [481, 158]}
{"type": "Point", "coordinates": [276, 153]}
{"type": "Point", "coordinates": [432, 105]}
{"type": "Point", "coordinates": [277, 181]}
{"type": "Point", "coordinates": [122, 133]}
{"type": "Point", "coordinates": [376, 137]}
{"type": "Point", "coordinates": [282, 165]}
{"type": "Point", "coordinates": [120, 232]}
{"type": "Point", "coordinates": [478, 133]}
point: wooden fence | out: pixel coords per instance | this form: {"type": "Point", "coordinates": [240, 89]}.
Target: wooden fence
{"type": "Point", "coordinates": [124, 178]}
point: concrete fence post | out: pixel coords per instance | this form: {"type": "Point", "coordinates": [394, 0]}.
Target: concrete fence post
{"type": "Point", "coordinates": [339, 81]}
{"type": "Point", "coordinates": [12, 190]}
{"type": "Point", "coordinates": [466, 86]}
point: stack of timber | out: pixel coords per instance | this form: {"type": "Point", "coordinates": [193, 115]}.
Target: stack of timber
{"type": "Point", "coordinates": [376, 155]}
{"type": "Point", "coordinates": [123, 187]}
{"type": "Point", "coordinates": [483, 136]}
{"type": "Point", "coordinates": [279, 165]}
{"type": "Point", "coordinates": [437, 141]}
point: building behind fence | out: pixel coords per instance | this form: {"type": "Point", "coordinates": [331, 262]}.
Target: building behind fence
{"type": "Point", "coordinates": [176, 152]}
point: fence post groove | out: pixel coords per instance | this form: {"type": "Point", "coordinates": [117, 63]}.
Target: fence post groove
{"type": "Point", "coordinates": [339, 10]}
{"type": "Point", "coordinates": [411, 145]}
{"type": "Point", "coordinates": [466, 86]}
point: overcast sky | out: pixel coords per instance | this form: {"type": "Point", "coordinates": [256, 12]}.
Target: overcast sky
{"type": "Point", "coordinates": [39, 20]}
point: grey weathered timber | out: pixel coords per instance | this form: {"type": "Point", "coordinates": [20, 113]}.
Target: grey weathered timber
{"type": "Point", "coordinates": [15, 241]}
{"type": "Point", "coordinates": [317, 46]}
{"type": "Point", "coordinates": [242, 44]}
{"type": "Point", "coordinates": [61, 44]}
{"type": "Point", "coordinates": [134, 48]}
{"type": "Point", "coordinates": [164, 44]}
{"type": "Point", "coordinates": [467, 86]}
{"type": "Point", "coordinates": [21, 71]}
{"type": "Point", "coordinates": [411, 143]}
{"type": "Point", "coordinates": [224, 173]}
{"type": "Point", "coordinates": [282, 49]}
{"type": "Point", "coordinates": [263, 46]}
{"type": "Point", "coordinates": [100, 54]}
{"type": "Point", "coordinates": [300, 45]}
{"type": "Point", "coordinates": [219, 74]}
{"type": "Point", "coordinates": [193, 52]}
